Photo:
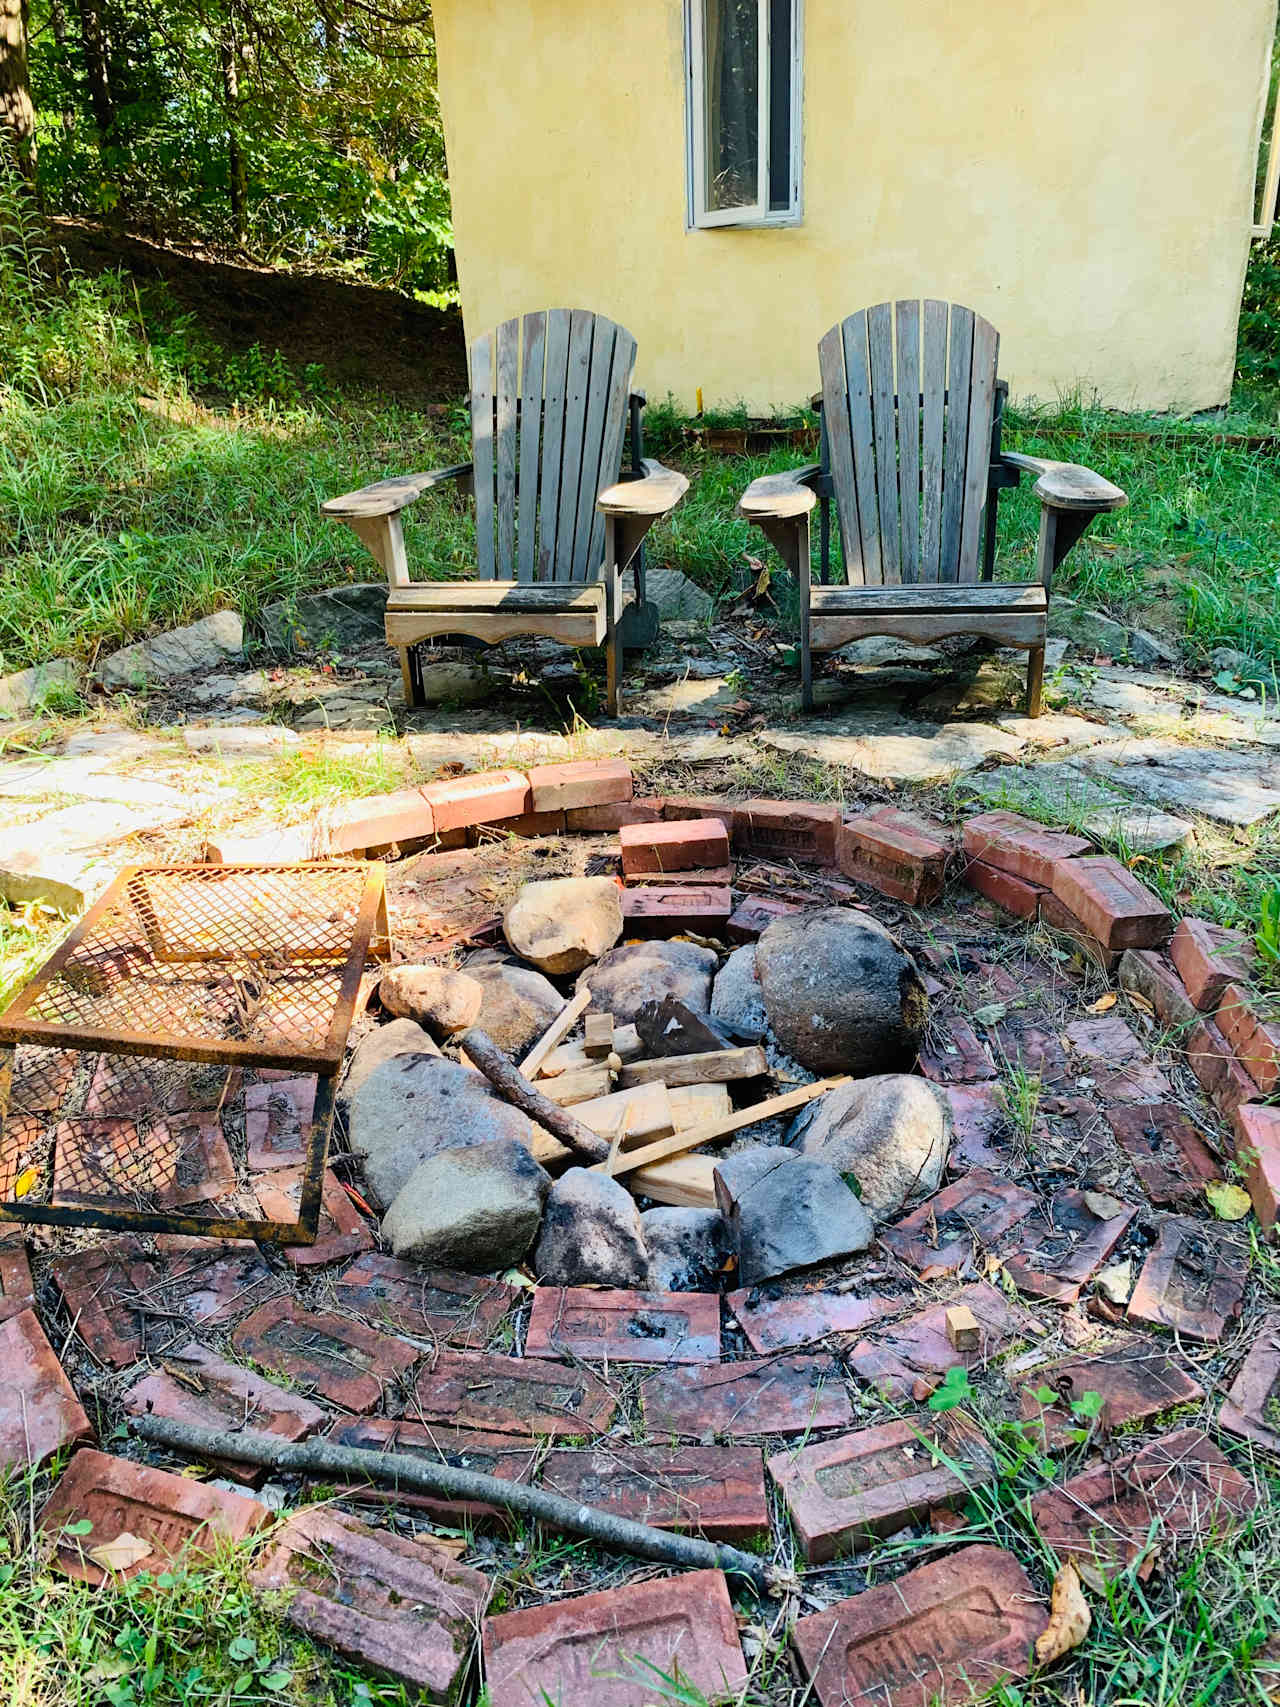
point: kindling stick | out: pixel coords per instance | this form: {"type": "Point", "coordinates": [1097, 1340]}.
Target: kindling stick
{"type": "Point", "coordinates": [326, 1462]}
{"type": "Point", "coordinates": [511, 1083]}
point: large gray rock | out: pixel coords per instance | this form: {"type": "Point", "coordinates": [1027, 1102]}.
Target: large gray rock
{"type": "Point", "coordinates": [414, 1106]}
{"type": "Point", "coordinates": [788, 1212]}
{"type": "Point", "coordinates": [476, 1209]}
{"type": "Point", "coordinates": [687, 1249]}
{"type": "Point", "coordinates": [591, 1234]}
{"type": "Point", "coordinates": [1094, 632]}
{"type": "Point", "coordinates": [891, 1132]}
{"type": "Point", "coordinates": [736, 996]}
{"type": "Point", "coordinates": [205, 645]}
{"type": "Point", "coordinates": [434, 997]}
{"type": "Point", "coordinates": [841, 993]}
{"type": "Point", "coordinates": [676, 597]}
{"type": "Point", "coordinates": [383, 1043]}
{"type": "Point", "coordinates": [564, 923]}
{"type": "Point", "coordinates": [646, 971]}
{"type": "Point", "coordinates": [32, 689]}
{"type": "Point", "coordinates": [344, 618]}
{"type": "Point", "coordinates": [519, 1004]}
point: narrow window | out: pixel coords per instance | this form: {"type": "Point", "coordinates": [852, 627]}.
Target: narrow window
{"type": "Point", "coordinates": [744, 111]}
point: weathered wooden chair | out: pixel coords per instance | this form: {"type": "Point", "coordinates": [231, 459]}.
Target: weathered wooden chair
{"type": "Point", "coordinates": [911, 454]}
{"type": "Point", "coordinates": [555, 527]}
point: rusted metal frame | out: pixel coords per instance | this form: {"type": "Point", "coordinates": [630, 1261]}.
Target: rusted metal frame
{"type": "Point", "coordinates": [61, 955]}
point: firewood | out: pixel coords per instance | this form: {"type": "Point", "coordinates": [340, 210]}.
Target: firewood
{"type": "Point", "coordinates": [707, 1133]}
{"type": "Point", "coordinates": [717, 1066]}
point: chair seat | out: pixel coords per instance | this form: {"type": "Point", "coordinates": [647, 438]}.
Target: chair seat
{"type": "Point", "coordinates": [572, 612]}
{"type": "Point", "coordinates": [1008, 613]}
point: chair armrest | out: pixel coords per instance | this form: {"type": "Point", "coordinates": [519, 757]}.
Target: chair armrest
{"type": "Point", "coordinates": [776, 497]}
{"type": "Point", "coordinates": [386, 497]}
{"type": "Point", "coordinates": [654, 493]}
{"type": "Point", "coordinates": [1067, 486]}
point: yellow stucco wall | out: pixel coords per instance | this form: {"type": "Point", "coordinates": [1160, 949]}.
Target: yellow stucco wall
{"type": "Point", "coordinates": [1080, 174]}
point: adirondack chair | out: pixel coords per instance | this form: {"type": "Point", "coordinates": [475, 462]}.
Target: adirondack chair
{"type": "Point", "coordinates": [910, 452]}
{"type": "Point", "coordinates": [555, 526]}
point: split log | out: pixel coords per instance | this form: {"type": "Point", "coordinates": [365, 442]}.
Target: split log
{"type": "Point", "coordinates": [511, 1084]}
{"type": "Point", "coordinates": [715, 1067]}
{"type": "Point", "coordinates": [579, 1086]}
{"type": "Point", "coordinates": [324, 1462]}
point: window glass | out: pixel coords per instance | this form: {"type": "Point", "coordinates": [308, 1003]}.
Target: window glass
{"type": "Point", "coordinates": [779, 105]}
{"type": "Point", "coordinates": [731, 55]}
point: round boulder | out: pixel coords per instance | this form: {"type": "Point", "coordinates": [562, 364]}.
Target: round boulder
{"type": "Point", "coordinates": [687, 1248]}
{"type": "Point", "coordinates": [591, 1234]}
{"type": "Point", "coordinates": [841, 993]}
{"type": "Point", "coordinates": [736, 997]}
{"type": "Point", "coordinates": [441, 1000]}
{"type": "Point", "coordinates": [646, 972]}
{"type": "Point", "coordinates": [564, 923]}
{"type": "Point", "coordinates": [476, 1209]}
{"type": "Point", "coordinates": [891, 1132]}
{"type": "Point", "coordinates": [517, 1007]}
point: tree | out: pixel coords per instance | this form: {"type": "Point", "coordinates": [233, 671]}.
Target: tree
{"type": "Point", "coordinates": [17, 112]}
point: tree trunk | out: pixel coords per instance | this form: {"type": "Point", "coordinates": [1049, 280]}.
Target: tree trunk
{"type": "Point", "coordinates": [17, 113]}
{"type": "Point", "coordinates": [93, 42]}
{"type": "Point", "coordinates": [237, 175]}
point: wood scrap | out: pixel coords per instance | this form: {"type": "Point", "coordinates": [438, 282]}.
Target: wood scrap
{"type": "Point", "coordinates": [686, 1182]}
{"type": "Point", "coordinates": [648, 1113]}
{"type": "Point", "coordinates": [556, 1032]}
{"type": "Point", "coordinates": [692, 1104]}
{"type": "Point", "coordinates": [626, 1046]}
{"type": "Point", "coordinates": [511, 1084]}
{"type": "Point", "coordinates": [717, 1066]}
{"type": "Point", "coordinates": [681, 1142]}
{"type": "Point", "coordinates": [597, 1035]}
{"type": "Point", "coordinates": [578, 1086]}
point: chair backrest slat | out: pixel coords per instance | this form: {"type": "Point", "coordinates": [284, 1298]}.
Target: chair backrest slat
{"type": "Point", "coordinates": [577, 389]}
{"type": "Point", "coordinates": [482, 454]}
{"type": "Point", "coordinates": [553, 405]}
{"type": "Point", "coordinates": [506, 391]}
{"type": "Point", "coordinates": [908, 396]}
{"type": "Point", "coordinates": [535, 337]}
{"type": "Point", "coordinates": [617, 396]}
{"type": "Point", "coordinates": [604, 334]}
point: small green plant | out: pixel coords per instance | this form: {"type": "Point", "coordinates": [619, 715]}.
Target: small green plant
{"type": "Point", "coordinates": [955, 1389]}
{"type": "Point", "coordinates": [1267, 936]}
{"type": "Point", "coordinates": [1020, 1097]}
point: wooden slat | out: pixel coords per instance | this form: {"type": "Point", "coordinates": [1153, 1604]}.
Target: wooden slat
{"type": "Point", "coordinates": [983, 595]}
{"type": "Point", "coordinates": [505, 392]}
{"type": "Point", "coordinates": [959, 369]}
{"type": "Point", "coordinates": [835, 412]}
{"type": "Point", "coordinates": [589, 483]}
{"type": "Point", "coordinates": [933, 386]}
{"type": "Point", "coordinates": [884, 428]}
{"type": "Point", "coordinates": [986, 353]}
{"type": "Point", "coordinates": [535, 334]}
{"type": "Point", "coordinates": [922, 628]}
{"type": "Point", "coordinates": [553, 401]}
{"type": "Point", "coordinates": [559, 1029]}
{"type": "Point", "coordinates": [491, 595]}
{"type": "Point", "coordinates": [577, 385]}
{"type": "Point", "coordinates": [715, 1066]}
{"type": "Point", "coordinates": [860, 432]}
{"type": "Point", "coordinates": [682, 1142]}
{"type": "Point", "coordinates": [615, 425]}
{"type": "Point", "coordinates": [908, 366]}
{"type": "Point", "coordinates": [482, 451]}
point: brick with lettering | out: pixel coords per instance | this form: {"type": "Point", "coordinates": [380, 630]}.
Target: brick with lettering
{"type": "Point", "coordinates": [892, 854]}
{"type": "Point", "coordinates": [1191, 1281]}
{"type": "Point", "coordinates": [737, 1401]}
{"type": "Point", "coordinates": [1016, 844]}
{"type": "Point", "coordinates": [753, 916]}
{"type": "Point", "coordinates": [344, 1360]}
{"type": "Point", "coordinates": [513, 1395]}
{"type": "Point", "coordinates": [716, 1491]}
{"type": "Point", "coordinates": [1111, 903]}
{"type": "Point", "coordinates": [624, 1327]}
{"type": "Point", "coordinates": [430, 1304]}
{"type": "Point", "coordinates": [787, 830]}
{"type": "Point", "coordinates": [660, 911]}
{"type": "Point", "coordinates": [939, 1237]}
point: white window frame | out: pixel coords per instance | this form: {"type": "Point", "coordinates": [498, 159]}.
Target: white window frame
{"type": "Point", "coordinates": [751, 215]}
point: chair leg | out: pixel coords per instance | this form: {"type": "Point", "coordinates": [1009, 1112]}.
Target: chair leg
{"type": "Point", "coordinates": [806, 674]}
{"type": "Point", "coordinates": [411, 671]}
{"type": "Point", "coordinates": [613, 645]}
{"type": "Point", "coordinates": [1035, 680]}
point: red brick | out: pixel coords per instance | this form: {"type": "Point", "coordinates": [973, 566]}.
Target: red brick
{"type": "Point", "coordinates": [941, 1632]}
{"type": "Point", "coordinates": [222, 1395]}
{"type": "Point", "coordinates": [39, 1411]}
{"type": "Point", "coordinates": [41, 1077]}
{"type": "Point", "coordinates": [872, 1482]}
{"type": "Point", "coordinates": [1223, 1079]}
{"type": "Point", "coordinates": [1015, 844]}
{"type": "Point", "coordinates": [1255, 1043]}
{"type": "Point", "coordinates": [768, 1395]}
{"type": "Point", "coordinates": [685, 845]}
{"type": "Point", "coordinates": [581, 783]}
{"type": "Point", "coordinates": [680, 808]}
{"type": "Point", "coordinates": [1190, 1281]}
{"type": "Point", "coordinates": [776, 1324]}
{"type": "Point", "coordinates": [787, 830]}
{"type": "Point", "coordinates": [1208, 957]}
{"type": "Point", "coordinates": [501, 1455]}
{"type": "Point", "coordinates": [92, 1283]}
{"type": "Point", "coordinates": [977, 1119]}
{"type": "Point", "coordinates": [753, 916]}
{"type": "Point", "coordinates": [957, 1056]}
{"type": "Point", "coordinates": [1252, 1407]}
{"type": "Point", "coordinates": [345, 1361]}
{"type": "Point", "coordinates": [1052, 1254]}
{"type": "Point", "coordinates": [277, 1122]}
{"type": "Point", "coordinates": [606, 1649]}
{"type": "Point", "coordinates": [892, 1357]}
{"type": "Point", "coordinates": [1111, 903]}
{"type": "Point", "coordinates": [703, 877]}
{"type": "Point", "coordinates": [938, 1238]}
{"type": "Point", "coordinates": [483, 798]}
{"type": "Point", "coordinates": [17, 1293]}
{"type": "Point", "coordinates": [1151, 975]}
{"type": "Point", "coordinates": [174, 1513]}
{"type": "Point", "coordinates": [399, 1606]}
{"type": "Point", "coordinates": [431, 1304]}
{"type": "Point", "coordinates": [1114, 1514]}
{"type": "Point", "coordinates": [1167, 1153]}
{"type": "Point", "coordinates": [529, 825]}
{"type": "Point", "coordinates": [1057, 916]}
{"type": "Point", "coordinates": [1257, 1127]}
{"type": "Point", "coordinates": [660, 911]}
{"type": "Point", "coordinates": [377, 821]}
{"type": "Point", "coordinates": [891, 855]}
{"type": "Point", "coordinates": [174, 1163]}
{"type": "Point", "coordinates": [1136, 1381]}
{"type": "Point", "coordinates": [512, 1395]}
{"type": "Point", "coordinates": [213, 1279]}
{"type": "Point", "coordinates": [716, 1491]}
{"type": "Point", "coordinates": [342, 1230]}
{"type": "Point", "coordinates": [607, 820]}
{"type": "Point", "coordinates": [624, 1327]}
{"type": "Point", "coordinates": [1010, 893]}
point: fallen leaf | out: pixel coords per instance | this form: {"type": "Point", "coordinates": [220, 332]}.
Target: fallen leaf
{"type": "Point", "coordinates": [992, 1014]}
{"type": "Point", "coordinates": [454, 1545]}
{"type": "Point", "coordinates": [1103, 1004]}
{"type": "Point", "coordinates": [1115, 1282]}
{"type": "Point", "coordinates": [25, 1180]}
{"type": "Point", "coordinates": [1103, 1205]}
{"type": "Point", "coordinates": [1069, 1618]}
{"type": "Point", "coordinates": [1141, 1003]}
{"type": "Point", "coordinates": [1228, 1202]}
{"type": "Point", "coordinates": [127, 1549]}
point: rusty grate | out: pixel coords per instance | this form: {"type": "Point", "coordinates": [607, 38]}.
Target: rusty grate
{"type": "Point", "coordinates": [137, 1050]}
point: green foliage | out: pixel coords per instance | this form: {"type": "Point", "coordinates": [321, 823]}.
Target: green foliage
{"type": "Point", "coordinates": [1258, 348]}
{"type": "Point", "coordinates": [1267, 936]}
{"type": "Point", "coordinates": [954, 1390]}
